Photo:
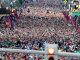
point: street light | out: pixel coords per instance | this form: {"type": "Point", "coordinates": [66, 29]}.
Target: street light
{"type": "Point", "coordinates": [51, 51]}
{"type": "Point", "coordinates": [51, 54]}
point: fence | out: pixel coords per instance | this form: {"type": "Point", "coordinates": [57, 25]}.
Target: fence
{"type": "Point", "coordinates": [45, 52]}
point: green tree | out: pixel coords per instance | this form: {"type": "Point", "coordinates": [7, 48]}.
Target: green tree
{"type": "Point", "coordinates": [65, 1]}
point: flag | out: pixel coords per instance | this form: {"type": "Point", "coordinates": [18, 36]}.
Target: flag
{"type": "Point", "coordinates": [66, 16]}
{"type": "Point", "coordinates": [72, 21]}
{"type": "Point", "coordinates": [9, 22]}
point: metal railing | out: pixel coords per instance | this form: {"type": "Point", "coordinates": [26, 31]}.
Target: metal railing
{"type": "Point", "coordinates": [65, 54]}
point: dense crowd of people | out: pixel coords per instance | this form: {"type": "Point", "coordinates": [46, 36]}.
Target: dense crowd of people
{"type": "Point", "coordinates": [51, 30]}
{"type": "Point", "coordinates": [45, 3]}
{"type": "Point", "coordinates": [34, 27]}
{"type": "Point", "coordinates": [32, 32]}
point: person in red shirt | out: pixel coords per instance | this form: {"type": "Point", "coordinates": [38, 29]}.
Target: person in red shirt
{"type": "Point", "coordinates": [27, 57]}
{"type": "Point", "coordinates": [9, 57]}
